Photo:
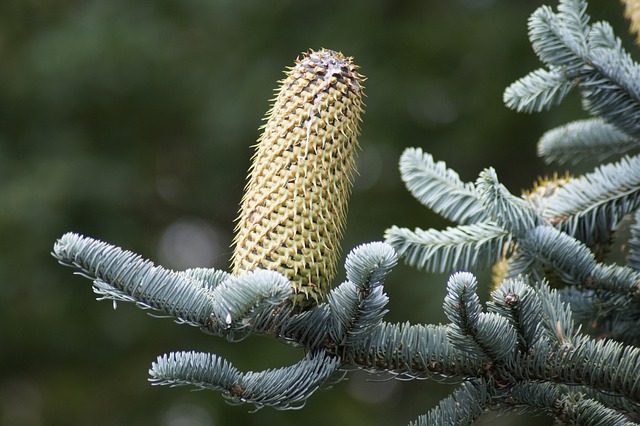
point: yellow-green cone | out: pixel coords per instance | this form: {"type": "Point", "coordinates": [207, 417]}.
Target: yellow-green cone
{"type": "Point", "coordinates": [632, 13]}
{"type": "Point", "coordinates": [294, 208]}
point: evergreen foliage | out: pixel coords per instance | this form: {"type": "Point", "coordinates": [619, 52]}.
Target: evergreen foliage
{"type": "Point", "coordinates": [559, 334]}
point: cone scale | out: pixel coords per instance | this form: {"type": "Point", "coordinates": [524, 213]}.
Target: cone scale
{"type": "Point", "coordinates": [294, 208]}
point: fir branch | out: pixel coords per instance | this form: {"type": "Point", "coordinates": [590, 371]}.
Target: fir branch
{"type": "Point", "coordinates": [564, 406]}
{"type": "Point", "coordinates": [593, 307]}
{"type": "Point", "coordinates": [412, 350]}
{"type": "Point", "coordinates": [359, 304]}
{"type": "Point", "coordinates": [617, 279]}
{"type": "Point", "coordinates": [202, 370]}
{"type": "Point", "coordinates": [590, 57]}
{"type": "Point", "coordinates": [557, 320]}
{"type": "Point", "coordinates": [123, 276]}
{"type": "Point", "coordinates": [591, 139]}
{"type": "Point", "coordinates": [569, 258]}
{"type": "Point", "coordinates": [461, 248]}
{"type": "Point", "coordinates": [574, 18]}
{"type": "Point", "coordinates": [439, 188]}
{"type": "Point", "coordinates": [368, 265]}
{"type": "Point", "coordinates": [539, 397]}
{"type": "Point", "coordinates": [537, 91]}
{"type": "Point", "coordinates": [619, 410]}
{"type": "Point", "coordinates": [238, 300]}
{"type": "Point", "coordinates": [620, 325]}
{"type": "Point", "coordinates": [592, 412]}
{"type": "Point", "coordinates": [463, 407]}
{"type": "Point", "coordinates": [521, 306]}
{"type": "Point", "coordinates": [487, 335]}
{"type": "Point", "coordinates": [461, 304]}
{"type": "Point", "coordinates": [309, 329]}
{"type": "Point", "coordinates": [514, 214]}
{"type": "Point", "coordinates": [601, 365]}
{"type": "Point", "coordinates": [591, 206]}
{"type": "Point", "coordinates": [575, 264]}
{"type": "Point", "coordinates": [605, 365]}
{"type": "Point", "coordinates": [495, 336]}
{"type": "Point", "coordinates": [348, 303]}
{"type": "Point", "coordinates": [559, 40]}
{"type": "Point", "coordinates": [209, 277]}
{"type": "Point", "coordinates": [617, 74]}
{"type": "Point", "coordinates": [282, 388]}
{"type": "Point", "coordinates": [612, 91]}
{"type": "Point", "coordinates": [602, 36]}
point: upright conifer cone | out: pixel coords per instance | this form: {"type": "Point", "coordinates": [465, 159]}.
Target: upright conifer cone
{"type": "Point", "coordinates": [294, 208]}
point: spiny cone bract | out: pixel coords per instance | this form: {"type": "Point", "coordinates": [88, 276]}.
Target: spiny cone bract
{"type": "Point", "coordinates": [294, 208]}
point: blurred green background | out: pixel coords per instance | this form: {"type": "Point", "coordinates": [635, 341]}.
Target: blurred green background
{"type": "Point", "coordinates": [133, 122]}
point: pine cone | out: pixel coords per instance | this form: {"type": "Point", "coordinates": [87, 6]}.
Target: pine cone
{"type": "Point", "coordinates": [294, 209]}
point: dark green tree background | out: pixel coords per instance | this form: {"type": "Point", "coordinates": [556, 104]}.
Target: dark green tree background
{"type": "Point", "coordinates": [133, 122]}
